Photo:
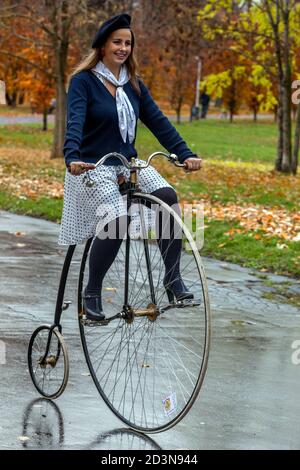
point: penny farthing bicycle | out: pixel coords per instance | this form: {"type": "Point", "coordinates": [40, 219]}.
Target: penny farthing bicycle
{"type": "Point", "coordinates": [149, 356]}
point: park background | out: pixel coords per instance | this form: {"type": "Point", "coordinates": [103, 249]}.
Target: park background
{"type": "Point", "coordinates": [244, 54]}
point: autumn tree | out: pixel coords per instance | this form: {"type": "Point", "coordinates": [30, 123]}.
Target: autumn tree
{"type": "Point", "coordinates": [262, 31]}
{"type": "Point", "coordinates": [39, 86]}
{"type": "Point", "coordinates": [169, 41]}
{"type": "Point", "coordinates": [259, 94]}
{"type": "Point", "coordinates": [11, 66]}
{"type": "Point", "coordinates": [228, 81]}
{"type": "Point", "coordinates": [63, 23]}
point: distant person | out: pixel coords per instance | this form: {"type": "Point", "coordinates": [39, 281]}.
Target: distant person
{"type": "Point", "coordinates": [105, 99]}
{"type": "Point", "coordinates": [204, 100]}
{"type": "Point", "coordinates": [52, 105]}
{"type": "Point", "coordinates": [194, 113]}
{"type": "Point", "coordinates": [224, 113]}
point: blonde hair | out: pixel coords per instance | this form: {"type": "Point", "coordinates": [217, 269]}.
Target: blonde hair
{"type": "Point", "coordinates": [91, 60]}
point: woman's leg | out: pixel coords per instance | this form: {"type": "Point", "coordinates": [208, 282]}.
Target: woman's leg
{"type": "Point", "coordinates": [169, 239]}
{"type": "Point", "coordinates": [169, 246]}
{"type": "Point", "coordinates": [102, 254]}
{"type": "Point", "coordinates": [104, 251]}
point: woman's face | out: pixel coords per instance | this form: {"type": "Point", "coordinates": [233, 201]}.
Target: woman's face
{"type": "Point", "coordinates": [117, 48]}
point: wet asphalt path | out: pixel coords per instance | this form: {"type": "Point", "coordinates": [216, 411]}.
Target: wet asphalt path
{"type": "Point", "coordinates": [250, 397]}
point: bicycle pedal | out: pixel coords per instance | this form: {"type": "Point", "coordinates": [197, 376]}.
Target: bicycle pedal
{"type": "Point", "coordinates": [92, 323]}
{"type": "Point", "coordinates": [187, 303]}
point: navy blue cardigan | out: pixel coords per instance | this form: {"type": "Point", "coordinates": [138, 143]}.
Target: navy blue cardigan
{"type": "Point", "coordinates": [92, 122]}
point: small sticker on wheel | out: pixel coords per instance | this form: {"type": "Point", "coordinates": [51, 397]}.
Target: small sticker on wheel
{"type": "Point", "coordinates": [170, 404]}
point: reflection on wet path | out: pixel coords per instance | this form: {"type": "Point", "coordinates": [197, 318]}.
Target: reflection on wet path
{"type": "Point", "coordinates": [43, 428]}
{"type": "Point", "coordinates": [43, 425]}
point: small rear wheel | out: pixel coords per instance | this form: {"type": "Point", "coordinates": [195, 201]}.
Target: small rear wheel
{"type": "Point", "coordinates": [48, 361]}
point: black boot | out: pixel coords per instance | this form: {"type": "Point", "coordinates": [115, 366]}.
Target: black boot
{"type": "Point", "coordinates": [177, 288]}
{"type": "Point", "coordinates": [92, 306]}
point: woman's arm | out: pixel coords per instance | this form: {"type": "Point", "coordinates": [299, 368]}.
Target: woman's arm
{"type": "Point", "coordinates": [77, 101]}
{"type": "Point", "coordinates": [160, 126]}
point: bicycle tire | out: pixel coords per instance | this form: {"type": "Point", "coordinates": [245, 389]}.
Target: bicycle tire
{"type": "Point", "coordinates": [43, 384]}
{"type": "Point", "coordinates": [160, 424]}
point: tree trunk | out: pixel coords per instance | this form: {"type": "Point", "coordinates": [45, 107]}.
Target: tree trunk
{"type": "Point", "coordinates": [231, 109]}
{"type": "Point", "coordinates": [287, 96]}
{"type": "Point", "coordinates": [45, 119]}
{"type": "Point", "coordinates": [287, 131]}
{"type": "Point", "coordinates": [255, 115]}
{"type": "Point", "coordinates": [296, 142]}
{"type": "Point", "coordinates": [282, 50]}
{"type": "Point", "coordinates": [278, 161]}
{"type": "Point", "coordinates": [21, 99]}
{"type": "Point", "coordinates": [232, 100]}
{"type": "Point", "coordinates": [60, 44]}
{"type": "Point", "coordinates": [60, 118]}
{"type": "Point", "coordinates": [178, 111]}
{"type": "Point", "coordinates": [11, 99]}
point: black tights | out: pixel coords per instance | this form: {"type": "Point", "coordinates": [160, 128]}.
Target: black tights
{"type": "Point", "coordinates": [103, 252]}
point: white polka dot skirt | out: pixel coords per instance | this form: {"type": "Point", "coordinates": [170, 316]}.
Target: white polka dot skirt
{"type": "Point", "coordinates": [87, 209]}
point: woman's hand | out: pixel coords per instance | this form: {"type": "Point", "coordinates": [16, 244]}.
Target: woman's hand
{"type": "Point", "coordinates": [77, 168]}
{"type": "Point", "coordinates": [192, 164]}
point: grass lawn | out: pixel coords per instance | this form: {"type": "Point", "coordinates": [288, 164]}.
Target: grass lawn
{"type": "Point", "coordinates": [240, 141]}
{"type": "Point", "coordinates": [251, 213]}
{"type": "Point", "coordinates": [213, 139]}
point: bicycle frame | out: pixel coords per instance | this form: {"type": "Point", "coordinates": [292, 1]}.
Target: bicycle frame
{"type": "Point", "coordinates": [160, 361]}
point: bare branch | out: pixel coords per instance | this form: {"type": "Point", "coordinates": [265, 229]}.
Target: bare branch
{"type": "Point", "coordinates": [273, 23]}
{"type": "Point", "coordinates": [32, 20]}
{"type": "Point", "coordinates": [11, 7]}
{"type": "Point", "coordinates": [25, 38]}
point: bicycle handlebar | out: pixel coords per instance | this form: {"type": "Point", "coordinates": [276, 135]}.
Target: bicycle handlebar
{"type": "Point", "coordinates": [171, 157]}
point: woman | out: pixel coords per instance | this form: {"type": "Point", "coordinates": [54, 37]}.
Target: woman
{"type": "Point", "coordinates": [105, 100]}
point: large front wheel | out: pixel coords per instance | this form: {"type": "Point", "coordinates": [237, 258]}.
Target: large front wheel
{"type": "Point", "coordinates": [149, 359]}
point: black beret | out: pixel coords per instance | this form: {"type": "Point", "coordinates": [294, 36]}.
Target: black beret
{"type": "Point", "coordinates": [110, 25]}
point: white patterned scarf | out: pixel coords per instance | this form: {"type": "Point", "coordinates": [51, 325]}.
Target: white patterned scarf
{"type": "Point", "coordinates": [126, 114]}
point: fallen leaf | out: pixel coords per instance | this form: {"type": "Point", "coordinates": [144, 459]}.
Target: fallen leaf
{"type": "Point", "coordinates": [281, 246]}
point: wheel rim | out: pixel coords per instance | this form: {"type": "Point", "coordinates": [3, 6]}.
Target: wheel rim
{"type": "Point", "coordinates": [50, 378]}
{"type": "Point", "coordinates": [149, 372]}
